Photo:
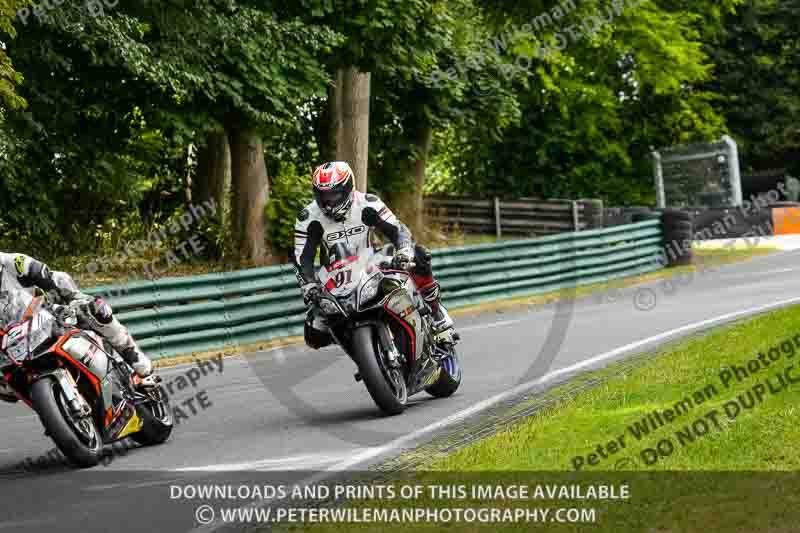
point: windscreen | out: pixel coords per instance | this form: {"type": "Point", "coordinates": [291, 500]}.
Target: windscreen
{"type": "Point", "coordinates": [13, 304]}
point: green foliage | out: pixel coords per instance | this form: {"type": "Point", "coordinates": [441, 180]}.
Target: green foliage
{"type": "Point", "coordinates": [476, 101]}
{"type": "Point", "coordinates": [591, 112]}
{"type": "Point", "coordinates": [291, 192]}
{"type": "Point", "coordinates": [9, 78]}
{"type": "Point", "coordinates": [99, 156]}
{"type": "Point", "coordinates": [116, 98]}
{"type": "Point", "coordinates": [757, 78]}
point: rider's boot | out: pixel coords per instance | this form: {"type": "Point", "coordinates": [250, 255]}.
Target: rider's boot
{"type": "Point", "coordinates": [441, 318]}
{"type": "Point", "coordinates": [134, 356]}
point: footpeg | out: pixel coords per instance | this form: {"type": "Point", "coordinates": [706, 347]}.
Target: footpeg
{"type": "Point", "coordinates": [448, 336]}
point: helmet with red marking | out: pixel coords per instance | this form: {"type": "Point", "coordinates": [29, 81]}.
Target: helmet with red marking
{"type": "Point", "coordinates": [333, 189]}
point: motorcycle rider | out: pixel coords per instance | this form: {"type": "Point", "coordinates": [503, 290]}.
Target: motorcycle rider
{"type": "Point", "coordinates": [21, 272]}
{"type": "Point", "coordinates": [340, 214]}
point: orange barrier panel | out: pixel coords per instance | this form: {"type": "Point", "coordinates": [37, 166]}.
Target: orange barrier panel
{"type": "Point", "coordinates": [786, 220]}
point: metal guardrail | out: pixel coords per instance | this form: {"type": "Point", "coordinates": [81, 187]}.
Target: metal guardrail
{"type": "Point", "coordinates": [182, 315]}
{"type": "Point", "coordinates": [524, 216]}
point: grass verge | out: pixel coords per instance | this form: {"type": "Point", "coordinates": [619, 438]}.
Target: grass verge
{"type": "Point", "coordinates": [681, 384]}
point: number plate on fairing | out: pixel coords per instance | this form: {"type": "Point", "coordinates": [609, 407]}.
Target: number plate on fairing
{"type": "Point", "coordinates": [18, 342]}
{"type": "Point", "coordinates": [342, 277]}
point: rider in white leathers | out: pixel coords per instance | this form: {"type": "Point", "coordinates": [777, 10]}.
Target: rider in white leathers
{"type": "Point", "coordinates": [20, 272]}
{"type": "Point", "coordinates": [340, 214]}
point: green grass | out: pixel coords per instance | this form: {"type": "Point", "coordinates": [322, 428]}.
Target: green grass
{"type": "Point", "coordinates": [761, 438]}
{"type": "Point", "coordinates": [739, 477]}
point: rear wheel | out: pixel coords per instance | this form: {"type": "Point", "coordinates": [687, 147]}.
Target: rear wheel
{"type": "Point", "coordinates": [77, 438]}
{"type": "Point", "coordinates": [450, 377]}
{"type": "Point", "coordinates": [387, 386]}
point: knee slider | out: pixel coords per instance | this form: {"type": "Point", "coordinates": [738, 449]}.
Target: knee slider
{"type": "Point", "coordinates": [431, 292]}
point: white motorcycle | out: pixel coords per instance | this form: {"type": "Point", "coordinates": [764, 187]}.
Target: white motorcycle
{"type": "Point", "coordinates": [376, 314]}
{"type": "Point", "coordinates": [85, 394]}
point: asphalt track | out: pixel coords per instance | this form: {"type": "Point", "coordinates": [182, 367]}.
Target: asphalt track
{"type": "Point", "coordinates": [295, 414]}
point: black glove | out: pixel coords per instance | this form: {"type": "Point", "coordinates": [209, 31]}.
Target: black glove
{"type": "Point", "coordinates": [403, 258]}
{"type": "Point", "coordinates": [310, 294]}
{"type": "Point", "coordinates": [62, 312]}
{"type": "Point", "coordinates": [81, 302]}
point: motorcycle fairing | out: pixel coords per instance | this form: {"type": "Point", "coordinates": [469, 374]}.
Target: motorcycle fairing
{"type": "Point", "coordinates": [400, 305]}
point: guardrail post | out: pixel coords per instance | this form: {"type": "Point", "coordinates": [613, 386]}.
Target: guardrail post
{"type": "Point", "coordinates": [591, 214]}
{"type": "Point", "coordinates": [498, 228]}
{"type": "Point", "coordinates": [659, 177]}
{"type": "Point", "coordinates": [576, 223]}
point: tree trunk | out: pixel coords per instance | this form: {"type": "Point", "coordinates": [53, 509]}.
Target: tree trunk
{"type": "Point", "coordinates": [330, 129]}
{"type": "Point", "coordinates": [423, 146]}
{"type": "Point", "coordinates": [353, 137]}
{"type": "Point", "coordinates": [250, 188]}
{"type": "Point", "coordinates": [213, 172]}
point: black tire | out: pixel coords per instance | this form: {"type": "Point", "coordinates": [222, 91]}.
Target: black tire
{"type": "Point", "coordinates": [155, 429]}
{"type": "Point", "coordinates": [641, 217]}
{"type": "Point", "coordinates": [677, 226]}
{"type": "Point", "coordinates": [674, 240]}
{"type": "Point", "coordinates": [377, 383]}
{"type": "Point", "coordinates": [670, 213]}
{"type": "Point", "coordinates": [682, 261]}
{"type": "Point", "coordinates": [678, 236]}
{"type": "Point", "coordinates": [448, 383]}
{"type": "Point", "coordinates": [636, 214]}
{"type": "Point", "coordinates": [44, 397]}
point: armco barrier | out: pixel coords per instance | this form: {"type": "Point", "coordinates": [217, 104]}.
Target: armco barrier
{"type": "Point", "coordinates": [172, 316]}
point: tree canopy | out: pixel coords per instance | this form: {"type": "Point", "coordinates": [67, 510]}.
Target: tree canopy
{"type": "Point", "coordinates": [102, 109]}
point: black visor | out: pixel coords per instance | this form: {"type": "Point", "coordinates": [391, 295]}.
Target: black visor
{"type": "Point", "coordinates": [330, 199]}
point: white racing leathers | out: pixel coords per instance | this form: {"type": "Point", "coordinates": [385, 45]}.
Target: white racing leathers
{"type": "Point", "coordinates": [23, 273]}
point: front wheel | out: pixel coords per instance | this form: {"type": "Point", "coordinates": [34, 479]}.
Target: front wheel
{"type": "Point", "coordinates": [387, 386]}
{"type": "Point", "coordinates": [78, 439]}
{"type": "Point", "coordinates": [156, 420]}
{"type": "Point", "coordinates": [450, 377]}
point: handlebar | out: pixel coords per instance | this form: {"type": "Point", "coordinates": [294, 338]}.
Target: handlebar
{"type": "Point", "coordinates": [389, 265]}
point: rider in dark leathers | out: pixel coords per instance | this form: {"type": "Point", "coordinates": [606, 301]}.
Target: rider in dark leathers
{"type": "Point", "coordinates": [340, 214]}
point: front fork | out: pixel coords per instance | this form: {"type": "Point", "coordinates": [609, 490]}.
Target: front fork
{"type": "Point", "coordinates": [393, 355]}
{"type": "Point", "coordinates": [75, 401]}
